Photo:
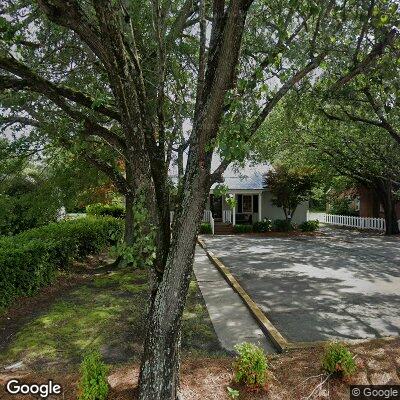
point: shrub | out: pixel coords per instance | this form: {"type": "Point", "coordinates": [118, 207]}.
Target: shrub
{"type": "Point", "coordinates": [233, 393]}
{"type": "Point", "coordinates": [93, 384]}
{"type": "Point", "coordinates": [262, 226]}
{"type": "Point", "coordinates": [338, 360]}
{"type": "Point", "coordinates": [282, 225]}
{"type": "Point", "coordinates": [243, 228]}
{"type": "Point", "coordinates": [342, 206]}
{"type": "Point", "coordinates": [250, 367]}
{"type": "Point", "coordinates": [30, 259]}
{"type": "Point", "coordinates": [205, 228]}
{"type": "Point", "coordinates": [101, 210]}
{"type": "Point", "coordinates": [309, 226]}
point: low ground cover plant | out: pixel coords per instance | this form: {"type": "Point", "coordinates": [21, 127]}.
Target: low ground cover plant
{"type": "Point", "coordinates": [205, 228]}
{"type": "Point", "coordinates": [250, 366]}
{"type": "Point", "coordinates": [93, 384]}
{"type": "Point", "coordinates": [30, 260]}
{"type": "Point", "coordinates": [338, 360]}
{"type": "Point", "coordinates": [101, 210]}
{"type": "Point", "coordinates": [309, 226]}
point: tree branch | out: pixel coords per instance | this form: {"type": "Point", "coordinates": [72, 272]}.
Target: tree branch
{"type": "Point", "coordinates": [384, 122]}
{"type": "Point", "coordinates": [375, 53]}
{"type": "Point", "coordinates": [34, 81]}
{"type": "Point", "coordinates": [297, 77]}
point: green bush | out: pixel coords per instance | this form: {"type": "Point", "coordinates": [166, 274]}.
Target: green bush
{"type": "Point", "coordinates": [101, 210]}
{"type": "Point", "coordinates": [282, 225]}
{"type": "Point", "coordinates": [93, 384]}
{"type": "Point", "coordinates": [30, 259]}
{"type": "Point", "coordinates": [243, 228]}
{"type": "Point", "coordinates": [342, 206]}
{"type": "Point", "coordinates": [205, 228]}
{"type": "Point", "coordinates": [250, 367]}
{"type": "Point", "coordinates": [309, 226]}
{"type": "Point", "coordinates": [262, 226]}
{"type": "Point", "coordinates": [339, 360]}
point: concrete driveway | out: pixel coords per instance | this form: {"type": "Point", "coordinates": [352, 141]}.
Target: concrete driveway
{"type": "Point", "coordinates": [343, 285]}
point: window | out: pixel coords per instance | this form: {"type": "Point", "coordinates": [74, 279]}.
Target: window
{"type": "Point", "coordinates": [247, 204]}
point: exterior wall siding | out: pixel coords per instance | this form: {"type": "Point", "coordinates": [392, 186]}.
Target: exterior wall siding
{"type": "Point", "coordinates": [268, 210]}
{"type": "Point", "coordinates": [272, 212]}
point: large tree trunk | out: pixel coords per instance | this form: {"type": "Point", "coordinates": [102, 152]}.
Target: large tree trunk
{"type": "Point", "coordinates": [129, 202]}
{"type": "Point", "coordinates": [159, 375]}
{"type": "Point", "coordinates": [388, 201]}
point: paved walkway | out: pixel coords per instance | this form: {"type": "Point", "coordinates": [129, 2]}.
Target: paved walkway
{"type": "Point", "coordinates": [342, 285]}
{"type": "Point", "coordinates": [231, 319]}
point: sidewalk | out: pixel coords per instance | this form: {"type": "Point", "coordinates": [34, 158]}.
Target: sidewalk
{"type": "Point", "coordinates": [231, 319]}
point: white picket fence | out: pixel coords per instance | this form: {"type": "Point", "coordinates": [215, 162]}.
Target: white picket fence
{"type": "Point", "coordinates": [207, 217]}
{"type": "Point", "coordinates": [227, 216]}
{"type": "Point", "coordinates": [348, 221]}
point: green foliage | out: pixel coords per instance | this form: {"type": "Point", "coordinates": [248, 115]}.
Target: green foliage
{"type": "Point", "coordinates": [220, 190]}
{"type": "Point", "coordinates": [29, 260]}
{"type": "Point", "coordinates": [141, 252]}
{"type": "Point", "coordinates": [338, 360]}
{"type": "Point", "coordinates": [93, 384]}
{"type": "Point", "coordinates": [233, 393]}
{"type": "Point", "coordinates": [342, 206]}
{"type": "Point", "coordinates": [223, 191]}
{"type": "Point", "coordinates": [242, 228]}
{"type": "Point", "coordinates": [262, 226]}
{"type": "Point", "coordinates": [26, 202]}
{"type": "Point", "coordinates": [309, 226]}
{"type": "Point", "coordinates": [205, 228]}
{"type": "Point", "coordinates": [289, 186]}
{"type": "Point", "coordinates": [250, 367]}
{"type": "Point", "coordinates": [282, 225]}
{"type": "Point", "coordinates": [113, 210]}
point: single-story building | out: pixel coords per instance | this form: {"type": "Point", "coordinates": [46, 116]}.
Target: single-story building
{"type": "Point", "coordinates": [253, 201]}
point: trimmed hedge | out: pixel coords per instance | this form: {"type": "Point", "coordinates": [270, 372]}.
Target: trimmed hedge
{"type": "Point", "coordinates": [243, 228]}
{"type": "Point", "coordinates": [281, 225]}
{"type": "Point", "coordinates": [309, 226]}
{"type": "Point", "coordinates": [262, 226]}
{"type": "Point", "coordinates": [101, 210]}
{"type": "Point", "coordinates": [205, 228]}
{"type": "Point", "coordinates": [29, 260]}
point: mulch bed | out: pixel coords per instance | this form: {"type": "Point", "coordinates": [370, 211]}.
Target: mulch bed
{"type": "Point", "coordinates": [293, 375]}
{"type": "Point", "coordinates": [282, 234]}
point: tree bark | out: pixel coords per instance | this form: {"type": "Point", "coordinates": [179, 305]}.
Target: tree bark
{"type": "Point", "coordinates": [388, 201]}
{"type": "Point", "coordinates": [159, 375]}
{"type": "Point", "coordinates": [129, 202]}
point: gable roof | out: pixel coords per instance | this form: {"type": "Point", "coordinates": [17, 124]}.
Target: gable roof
{"type": "Point", "coordinates": [247, 177]}
{"type": "Point", "coordinates": [244, 177]}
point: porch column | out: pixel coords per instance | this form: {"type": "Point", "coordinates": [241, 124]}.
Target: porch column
{"type": "Point", "coordinates": [259, 207]}
{"type": "Point", "coordinates": [234, 212]}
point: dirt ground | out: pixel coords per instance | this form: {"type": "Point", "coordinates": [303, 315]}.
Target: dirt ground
{"type": "Point", "coordinates": [293, 376]}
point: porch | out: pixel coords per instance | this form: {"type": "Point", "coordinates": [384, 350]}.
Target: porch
{"type": "Point", "coordinates": [247, 208]}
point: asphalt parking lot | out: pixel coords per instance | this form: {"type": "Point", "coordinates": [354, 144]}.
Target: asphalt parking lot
{"type": "Point", "coordinates": [340, 285]}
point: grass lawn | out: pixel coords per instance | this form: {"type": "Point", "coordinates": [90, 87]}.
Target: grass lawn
{"type": "Point", "coordinates": [104, 309]}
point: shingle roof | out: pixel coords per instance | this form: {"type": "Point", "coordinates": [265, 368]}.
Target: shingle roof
{"type": "Point", "coordinates": [245, 178]}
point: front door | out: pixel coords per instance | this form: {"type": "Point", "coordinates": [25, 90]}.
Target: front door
{"type": "Point", "coordinates": [216, 206]}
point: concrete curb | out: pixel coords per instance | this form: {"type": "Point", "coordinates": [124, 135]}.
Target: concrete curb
{"type": "Point", "coordinates": [265, 324]}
